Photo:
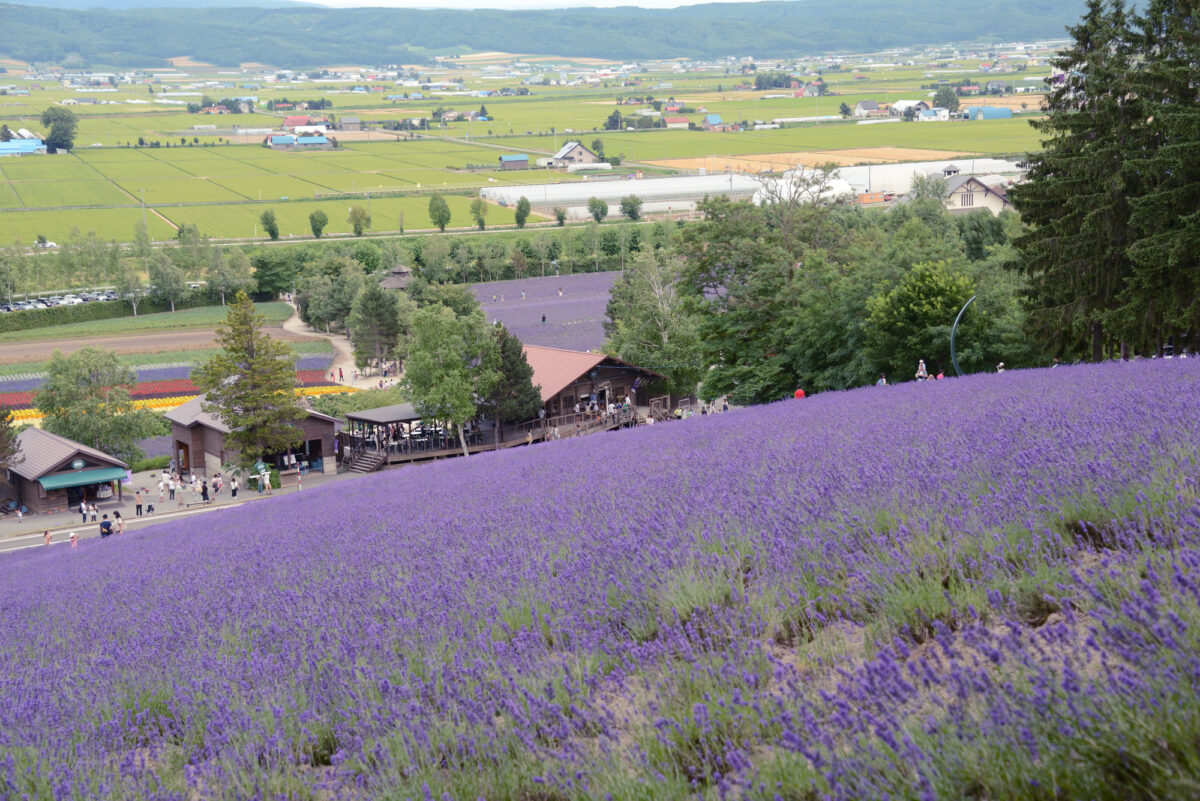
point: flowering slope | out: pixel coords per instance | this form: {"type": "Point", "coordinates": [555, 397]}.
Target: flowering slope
{"type": "Point", "coordinates": [983, 588]}
{"type": "Point", "coordinates": [574, 320]}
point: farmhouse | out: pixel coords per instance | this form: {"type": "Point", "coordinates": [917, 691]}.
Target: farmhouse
{"type": "Point", "coordinates": [350, 123]}
{"type": "Point", "coordinates": [934, 115]}
{"type": "Point", "coordinates": [713, 122]}
{"type": "Point", "coordinates": [198, 441]}
{"type": "Point", "coordinates": [676, 122]}
{"type": "Point", "coordinates": [863, 108]}
{"type": "Point", "coordinates": [901, 106]}
{"type": "Point", "coordinates": [56, 473]}
{"type": "Point", "coordinates": [514, 161]}
{"type": "Point", "coordinates": [966, 193]}
{"type": "Point", "coordinates": [292, 123]}
{"type": "Point", "coordinates": [574, 153]}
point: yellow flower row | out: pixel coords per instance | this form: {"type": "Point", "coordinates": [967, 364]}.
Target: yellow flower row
{"type": "Point", "coordinates": [166, 404]}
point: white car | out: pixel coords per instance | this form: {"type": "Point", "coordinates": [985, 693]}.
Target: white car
{"type": "Point", "coordinates": [72, 300]}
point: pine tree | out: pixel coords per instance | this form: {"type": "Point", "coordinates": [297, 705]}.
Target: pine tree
{"type": "Point", "coordinates": [1076, 202]}
{"type": "Point", "coordinates": [1163, 299]}
{"type": "Point", "coordinates": [9, 454]}
{"type": "Point", "coordinates": [514, 398]}
{"type": "Point", "coordinates": [250, 384]}
{"type": "Point", "coordinates": [374, 325]}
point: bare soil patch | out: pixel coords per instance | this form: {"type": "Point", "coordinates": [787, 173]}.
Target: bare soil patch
{"type": "Point", "coordinates": [775, 162]}
{"type": "Point", "coordinates": [157, 342]}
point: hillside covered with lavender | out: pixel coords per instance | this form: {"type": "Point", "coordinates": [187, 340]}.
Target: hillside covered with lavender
{"type": "Point", "coordinates": [974, 588]}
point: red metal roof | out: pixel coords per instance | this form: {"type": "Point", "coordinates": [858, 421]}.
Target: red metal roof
{"type": "Point", "coordinates": [291, 122]}
{"type": "Point", "coordinates": [554, 369]}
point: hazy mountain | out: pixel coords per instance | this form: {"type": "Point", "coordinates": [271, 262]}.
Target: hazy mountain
{"type": "Point", "coordinates": [302, 36]}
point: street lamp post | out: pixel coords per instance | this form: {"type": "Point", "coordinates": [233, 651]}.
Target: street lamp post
{"type": "Point", "coordinates": [953, 331]}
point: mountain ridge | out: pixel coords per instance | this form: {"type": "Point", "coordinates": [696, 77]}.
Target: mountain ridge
{"type": "Point", "coordinates": [309, 36]}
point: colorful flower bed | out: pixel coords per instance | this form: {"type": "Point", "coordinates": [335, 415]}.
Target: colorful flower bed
{"type": "Point", "coordinates": [977, 588]}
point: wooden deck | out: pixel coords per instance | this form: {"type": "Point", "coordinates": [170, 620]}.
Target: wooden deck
{"type": "Point", "coordinates": [367, 456]}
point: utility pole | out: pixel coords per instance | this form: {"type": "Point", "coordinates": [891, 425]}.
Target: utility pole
{"type": "Point", "coordinates": [143, 191]}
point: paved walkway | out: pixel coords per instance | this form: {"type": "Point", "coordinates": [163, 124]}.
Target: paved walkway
{"type": "Point", "coordinates": [27, 533]}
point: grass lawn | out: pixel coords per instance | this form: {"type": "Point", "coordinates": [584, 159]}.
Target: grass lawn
{"type": "Point", "coordinates": [313, 347]}
{"type": "Point", "coordinates": [201, 318]}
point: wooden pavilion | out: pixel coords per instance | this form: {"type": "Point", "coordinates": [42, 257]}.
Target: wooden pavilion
{"type": "Point", "coordinates": [581, 393]}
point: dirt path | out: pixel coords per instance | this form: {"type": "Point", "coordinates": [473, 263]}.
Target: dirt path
{"type": "Point", "coordinates": [158, 342]}
{"type": "Point", "coordinates": [343, 358]}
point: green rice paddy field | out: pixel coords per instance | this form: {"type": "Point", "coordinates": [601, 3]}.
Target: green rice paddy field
{"type": "Point", "coordinates": [224, 188]}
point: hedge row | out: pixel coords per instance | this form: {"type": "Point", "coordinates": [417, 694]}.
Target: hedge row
{"type": "Point", "coordinates": [87, 312]}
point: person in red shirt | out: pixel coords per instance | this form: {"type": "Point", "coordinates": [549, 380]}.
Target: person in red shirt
{"type": "Point", "coordinates": [799, 393]}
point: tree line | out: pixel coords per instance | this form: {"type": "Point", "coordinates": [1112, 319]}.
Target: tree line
{"type": "Point", "coordinates": [1111, 248]}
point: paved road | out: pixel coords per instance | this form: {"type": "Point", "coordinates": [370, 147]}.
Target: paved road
{"type": "Point", "coordinates": [158, 342]}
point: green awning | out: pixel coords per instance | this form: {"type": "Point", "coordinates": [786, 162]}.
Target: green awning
{"type": "Point", "coordinates": [93, 476]}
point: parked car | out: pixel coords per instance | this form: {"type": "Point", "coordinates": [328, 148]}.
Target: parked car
{"type": "Point", "coordinates": [72, 300]}
{"type": "Point", "coordinates": [110, 295]}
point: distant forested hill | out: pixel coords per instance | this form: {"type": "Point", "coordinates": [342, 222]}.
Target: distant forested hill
{"type": "Point", "coordinates": [304, 37]}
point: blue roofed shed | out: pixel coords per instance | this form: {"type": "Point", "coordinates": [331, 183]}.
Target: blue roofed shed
{"type": "Point", "coordinates": [514, 161]}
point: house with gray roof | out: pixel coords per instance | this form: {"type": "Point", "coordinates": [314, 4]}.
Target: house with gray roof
{"type": "Point", "coordinates": [54, 473]}
{"type": "Point", "coordinates": [573, 153]}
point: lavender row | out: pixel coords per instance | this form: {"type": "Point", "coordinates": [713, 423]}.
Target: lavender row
{"type": "Point", "coordinates": [573, 319]}
{"type": "Point", "coordinates": [891, 591]}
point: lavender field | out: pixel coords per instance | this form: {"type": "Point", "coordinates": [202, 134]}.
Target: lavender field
{"type": "Point", "coordinates": [574, 320]}
{"type": "Point", "coordinates": [978, 588]}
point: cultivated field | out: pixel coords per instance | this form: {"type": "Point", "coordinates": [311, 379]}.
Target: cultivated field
{"type": "Point", "coordinates": [778, 162]}
{"type": "Point", "coordinates": [975, 588]}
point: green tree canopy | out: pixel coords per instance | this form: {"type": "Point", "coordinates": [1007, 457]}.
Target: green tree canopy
{"type": "Point", "coordinates": [359, 220]}
{"type": "Point", "coordinates": [86, 397]}
{"type": "Point", "coordinates": [649, 325]}
{"type": "Point", "coordinates": [452, 361]}
{"type": "Point", "coordinates": [631, 207]}
{"type": "Point", "coordinates": [479, 210]}
{"type": "Point", "coordinates": [521, 213]}
{"type": "Point", "coordinates": [269, 223]}
{"type": "Point", "coordinates": [439, 212]}
{"type": "Point", "coordinates": [63, 125]}
{"type": "Point", "coordinates": [513, 397]}
{"type": "Point", "coordinates": [317, 222]}
{"type": "Point", "coordinates": [251, 384]}
{"type": "Point", "coordinates": [374, 324]}
{"type": "Point", "coordinates": [945, 97]}
{"type": "Point", "coordinates": [598, 208]}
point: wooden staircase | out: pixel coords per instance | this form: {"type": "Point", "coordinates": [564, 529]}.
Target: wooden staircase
{"type": "Point", "coordinates": [367, 461]}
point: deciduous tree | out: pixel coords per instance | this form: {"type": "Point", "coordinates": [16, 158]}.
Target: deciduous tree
{"type": "Point", "coordinates": [269, 224]}
{"type": "Point", "coordinates": [479, 210]}
{"type": "Point", "coordinates": [439, 212]}
{"type": "Point", "coordinates": [452, 361]}
{"type": "Point", "coordinates": [521, 214]}
{"type": "Point", "coordinates": [598, 208]}
{"type": "Point", "coordinates": [317, 222]}
{"type": "Point", "coordinates": [87, 397]}
{"type": "Point", "coordinates": [359, 220]}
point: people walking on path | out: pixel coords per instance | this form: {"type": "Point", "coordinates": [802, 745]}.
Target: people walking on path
{"type": "Point", "coordinates": [233, 487]}
{"type": "Point", "coordinates": [204, 492]}
{"type": "Point", "coordinates": [137, 499]}
{"type": "Point", "coordinates": [93, 511]}
{"type": "Point", "coordinates": [118, 522]}
{"type": "Point", "coordinates": [106, 527]}
{"type": "Point", "coordinates": [83, 510]}
{"type": "Point", "coordinates": [46, 537]}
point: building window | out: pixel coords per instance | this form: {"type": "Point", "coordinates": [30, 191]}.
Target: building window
{"type": "Point", "coordinates": [966, 199]}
